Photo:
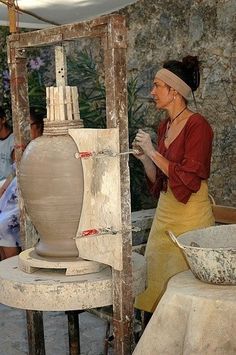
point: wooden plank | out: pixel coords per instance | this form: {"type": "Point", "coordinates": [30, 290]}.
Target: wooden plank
{"type": "Point", "coordinates": [54, 35]}
{"type": "Point", "coordinates": [224, 214]}
{"type": "Point", "coordinates": [116, 100]}
{"type": "Point", "coordinates": [61, 102]}
{"type": "Point", "coordinates": [101, 205]}
{"type": "Point", "coordinates": [105, 249]}
{"type": "Point", "coordinates": [102, 202]}
{"type": "Point", "coordinates": [141, 223]}
{"type": "Point", "coordinates": [60, 66]}
{"type": "Point", "coordinates": [52, 105]}
{"type": "Point", "coordinates": [73, 332]}
{"type": "Point", "coordinates": [56, 104]}
{"type": "Point", "coordinates": [69, 103]}
{"type": "Point", "coordinates": [20, 115]}
{"type": "Point", "coordinates": [143, 219]}
{"type": "Point", "coordinates": [12, 16]}
{"type": "Point", "coordinates": [48, 102]}
{"type": "Point", "coordinates": [35, 332]}
{"type": "Point", "coordinates": [75, 103]}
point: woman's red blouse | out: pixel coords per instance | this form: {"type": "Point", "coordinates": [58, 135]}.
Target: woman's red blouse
{"type": "Point", "coordinates": [189, 157]}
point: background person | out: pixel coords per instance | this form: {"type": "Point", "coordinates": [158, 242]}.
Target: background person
{"type": "Point", "coordinates": [6, 147]}
{"type": "Point", "coordinates": [177, 172]}
{"type": "Point", "coordinates": [10, 244]}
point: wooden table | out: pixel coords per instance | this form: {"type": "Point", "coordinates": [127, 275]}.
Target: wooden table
{"type": "Point", "coordinates": [192, 318]}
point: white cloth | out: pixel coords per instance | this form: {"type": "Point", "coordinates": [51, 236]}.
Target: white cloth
{"type": "Point", "coordinates": [192, 318]}
{"type": "Point", "coordinates": [9, 217]}
{"type": "Point", "coordinates": [6, 148]}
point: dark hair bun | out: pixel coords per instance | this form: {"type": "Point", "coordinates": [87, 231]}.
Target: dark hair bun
{"type": "Point", "coordinates": [191, 66]}
{"type": "Point", "coordinates": [187, 70]}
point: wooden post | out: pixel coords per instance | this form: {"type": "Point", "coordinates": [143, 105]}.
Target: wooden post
{"type": "Point", "coordinates": [73, 332]}
{"type": "Point", "coordinates": [117, 115]}
{"type": "Point", "coordinates": [65, 110]}
{"type": "Point", "coordinates": [113, 32]}
{"type": "Point", "coordinates": [20, 114]}
{"type": "Point", "coordinates": [12, 16]}
{"type": "Point", "coordinates": [35, 332]}
{"type": "Point", "coordinates": [60, 66]}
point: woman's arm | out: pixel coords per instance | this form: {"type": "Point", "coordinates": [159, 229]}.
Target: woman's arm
{"type": "Point", "coordinates": [7, 182]}
{"type": "Point", "coordinates": [161, 162]}
{"type": "Point", "coordinates": [150, 168]}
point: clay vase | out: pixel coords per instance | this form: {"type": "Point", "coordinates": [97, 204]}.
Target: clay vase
{"type": "Point", "coordinates": [51, 183]}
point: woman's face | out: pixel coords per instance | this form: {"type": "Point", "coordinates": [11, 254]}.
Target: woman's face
{"type": "Point", "coordinates": [162, 94]}
{"type": "Point", "coordinates": [2, 123]}
{"type": "Point", "coordinates": [34, 130]}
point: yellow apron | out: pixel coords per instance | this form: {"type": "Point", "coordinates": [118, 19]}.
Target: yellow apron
{"type": "Point", "coordinates": [164, 258]}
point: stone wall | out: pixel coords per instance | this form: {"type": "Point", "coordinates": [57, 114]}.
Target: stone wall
{"type": "Point", "coordinates": [161, 30]}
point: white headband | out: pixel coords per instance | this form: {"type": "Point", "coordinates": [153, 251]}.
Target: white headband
{"type": "Point", "coordinates": [174, 81]}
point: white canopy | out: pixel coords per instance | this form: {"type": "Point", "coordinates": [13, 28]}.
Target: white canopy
{"type": "Point", "coordinates": [61, 11]}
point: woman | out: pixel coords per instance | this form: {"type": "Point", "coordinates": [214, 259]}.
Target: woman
{"type": "Point", "coordinates": [177, 172]}
{"type": "Point", "coordinates": [9, 210]}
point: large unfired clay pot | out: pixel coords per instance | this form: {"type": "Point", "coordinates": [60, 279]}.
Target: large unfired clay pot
{"type": "Point", "coordinates": [51, 182]}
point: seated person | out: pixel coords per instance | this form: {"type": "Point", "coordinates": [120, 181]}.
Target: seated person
{"type": "Point", "coordinates": [9, 210]}
{"type": "Point", "coordinates": [9, 222]}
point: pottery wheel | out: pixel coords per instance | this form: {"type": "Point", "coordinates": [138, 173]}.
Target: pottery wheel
{"type": "Point", "coordinates": [29, 261]}
{"type": "Point", "coordinates": [51, 290]}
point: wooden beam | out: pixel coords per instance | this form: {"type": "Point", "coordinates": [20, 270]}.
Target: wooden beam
{"type": "Point", "coordinates": [117, 115]}
{"type": "Point", "coordinates": [113, 32]}
{"type": "Point", "coordinates": [224, 214]}
{"type": "Point", "coordinates": [73, 332]}
{"type": "Point", "coordinates": [60, 66]}
{"type": "Point", "coordinates": [54, 35]}
{"type": "Point", "coordinates": [20, 117]}
{"type": "Point", "coordinates": [20, 113]}
{"type": "Point", "coordinates": [12, 16]}
{"type": "Point", "coordinates": [35, 332]}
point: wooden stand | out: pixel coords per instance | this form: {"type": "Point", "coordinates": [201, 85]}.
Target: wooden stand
{"type": "Point", "coordinates": [51, 290]}
{"type": "Point", "coordinates": [113, 34]}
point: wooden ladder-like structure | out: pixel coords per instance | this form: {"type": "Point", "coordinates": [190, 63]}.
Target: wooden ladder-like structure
{"type": "Point", "coordinates": [113, 34]}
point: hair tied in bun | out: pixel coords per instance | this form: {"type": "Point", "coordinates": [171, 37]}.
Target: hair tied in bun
{"type": "Point", "coordinates": [191, 65]}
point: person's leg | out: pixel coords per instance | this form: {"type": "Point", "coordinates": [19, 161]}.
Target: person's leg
{"type": "Point", "coordinates": [8, 252]}
{"type": "Point", "coordinates": [2, 254]}
{"type": "Point", "coordinates": [146, 317]}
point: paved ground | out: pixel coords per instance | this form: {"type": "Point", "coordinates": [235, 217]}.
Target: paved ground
{"type": "Point", "coordinates": [13, 336]}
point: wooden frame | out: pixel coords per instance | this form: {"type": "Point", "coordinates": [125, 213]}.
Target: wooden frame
{"type": "Point", "coordinates": [113, 34]}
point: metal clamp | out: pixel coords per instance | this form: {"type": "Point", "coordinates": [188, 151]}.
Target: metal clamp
{"type": "Point", "coordinates": [103, 231]}
{"type": "Point", "coordinates": [106, 153]}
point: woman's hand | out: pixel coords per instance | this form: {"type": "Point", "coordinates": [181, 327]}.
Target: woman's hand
{"type": "Point", "coordinates": [143, 140]}
{"type": "Point", "coordinates": [137, 151]}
